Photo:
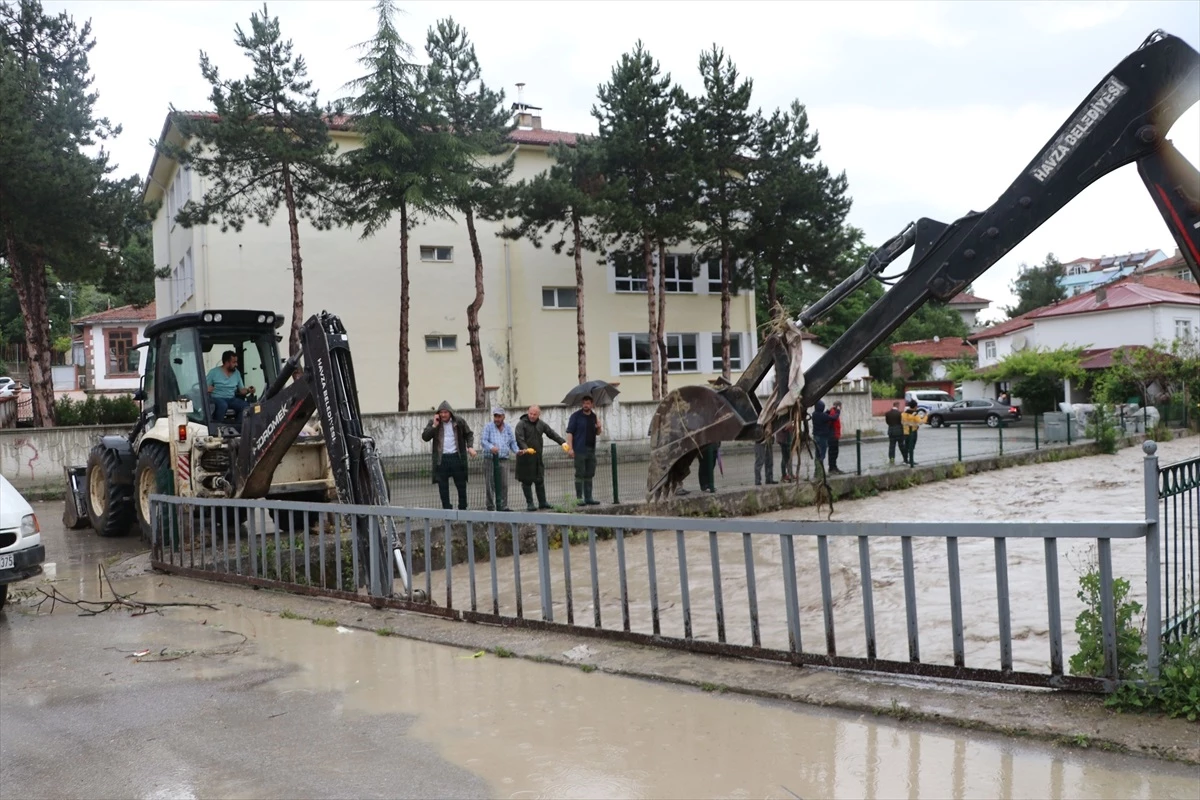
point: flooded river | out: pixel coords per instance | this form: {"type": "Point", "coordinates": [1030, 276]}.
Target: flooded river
{"type": "Point", "coordinates": [1096, 488]}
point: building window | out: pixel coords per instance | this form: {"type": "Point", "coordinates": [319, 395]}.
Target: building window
{"type": "Point", "coordinates": [714, 277]}
{"type": "Point", "coordinates": [677, 276]}
{"type": "Point", "coordinates": [183, 281]}
{"type": "Point", "coordinates": [735, 351]}
{"type": "Point", "coordinates": [179, 193]}
{"type": "Point", "coordinates": [441, 342]}
{"type": "Point", "coordinates": [989, 349]}
{"type": "Point", "coordinates": [1078, 269]}
{"type": "Point", "coordinates": [629, 278]}
{"type": "Point", "coordinates": [681, 353]}
{"type": "Point", "coordinates": [558, 297]}
{"type": "Point", "coordinates": [119, 345]}
{"type": "Point", "coordinates": [633, 354]}
{"type": "Point", "coordinates": [1186, 275]}
{"type": "Point", "coordinates": [1183, 329]}
{"type": "Point", "coordinates": [437, 254]}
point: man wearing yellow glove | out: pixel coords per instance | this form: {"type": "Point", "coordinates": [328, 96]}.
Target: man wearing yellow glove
{"type": "Point", "coordinates": [531, 469]}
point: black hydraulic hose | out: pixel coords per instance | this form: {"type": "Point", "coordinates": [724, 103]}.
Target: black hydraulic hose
{"type": "Point", "coordinates": [876, 264]}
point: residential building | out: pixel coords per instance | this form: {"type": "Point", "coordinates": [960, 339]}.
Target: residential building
{"type": "Point", "coordinates": [941, 351]}
{"type": "Point", "coordinates": [1173, 267]}
{"type": "Point", "coordinates": [110, 364]}
{"type": "Point", "coordinates": [811, 350]}
{"type": "Point", "coordinates": [527, 322]}
{"type": "Point", "coordinates": [1085, 274]}
{"type": "Point", "coordinates": [1132, 312]}
{"type": "Point", "coordinates": [969, 306]}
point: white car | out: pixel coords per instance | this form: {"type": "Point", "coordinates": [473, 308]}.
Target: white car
{"type": "Point", "coordinates": [929, 400]}
{"type": "Point", "coordinates": [8, 387]}
{"type": "Point", "coordinates": [21, 548]}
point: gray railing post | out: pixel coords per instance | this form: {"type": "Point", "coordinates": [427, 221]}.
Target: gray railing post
{"type": "Point", "coordinates": [1036, 444]}
{"type": "Point", "coordinates": [1001, 430]}
{"type": "Point", "coordinates": [543, 552]}
{"type": "Point", "coordinates": [858, 451]}
{"type": "Point", "coordinates": [1153, 560]}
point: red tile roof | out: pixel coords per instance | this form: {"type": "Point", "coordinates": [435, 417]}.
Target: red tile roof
{"type": "Point", "coordinates": [949, 348]}
{"type": "Point", "coordinates": [146, 313]}
{"type": "Point", "coordinates": [1006, 327]}
{"type": "Point", "coordinates": [1166, 283]}
{"type": "Point", "coordinates": [1103, 358]}
{"type": "Point", "coordinates": [1122, 294]}
{"type": "Point", "coordinates": [964, 299]}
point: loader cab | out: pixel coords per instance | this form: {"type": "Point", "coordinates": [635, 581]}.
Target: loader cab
{"type": "Point", "coordinates": [184, 348]}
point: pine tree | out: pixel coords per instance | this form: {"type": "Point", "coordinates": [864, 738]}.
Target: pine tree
{"type": "Point", "coordinates": [59, 209]}
{"type": "Point", "coordinates": [562, 202]}
{"type": "Point", "coordinates": [1037, 286]}
{"type": "Point", "coordinates": [634, 114]}
{"type": "Point", "coordinates": [402, 163]}
{"type": "Point", "coordinates": [722, 131]}
{"type": "Point", "coordinates": [796, 231]}
{"type": "Point", "coordinates": [475, 117]}
{"type": "Point", "coordinates": [266, 144]}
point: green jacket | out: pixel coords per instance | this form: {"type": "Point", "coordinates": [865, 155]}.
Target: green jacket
{"type": "Point", "coordinates": [531, 469]}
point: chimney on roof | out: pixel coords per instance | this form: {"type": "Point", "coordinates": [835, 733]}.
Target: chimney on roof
{"type": "Point", "coordinates": [526, 115]}
{"type": "Point", "coordinates": [1101, 295]}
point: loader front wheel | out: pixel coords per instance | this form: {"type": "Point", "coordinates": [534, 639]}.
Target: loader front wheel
{"type": "Point", "coordinates": [152, 475]}
{"type": "Point", "coordinates": [110, 504]}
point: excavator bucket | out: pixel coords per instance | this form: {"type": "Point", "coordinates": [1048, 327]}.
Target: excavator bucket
{"type": "Point", "coordinates": [688, 419]}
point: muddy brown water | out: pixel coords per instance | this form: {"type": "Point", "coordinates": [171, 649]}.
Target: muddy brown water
{"type": "Point", "coordinates": [1099, 488]}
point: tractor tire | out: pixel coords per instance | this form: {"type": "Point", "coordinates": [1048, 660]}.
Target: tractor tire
{"type": "Point", "coordinates": [152, 475]}
{"type": "Point", "coordinates": [110, 506]}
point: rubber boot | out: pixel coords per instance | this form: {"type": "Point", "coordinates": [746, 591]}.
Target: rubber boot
{"type": "Point", "coordinates": [529, 506]}
{"type": "Point", "coordinates": [541, 496]}
{"type": "Point", "coordinates": [587, 495]}
{"type": "Point", "coordinates": [579, 491]}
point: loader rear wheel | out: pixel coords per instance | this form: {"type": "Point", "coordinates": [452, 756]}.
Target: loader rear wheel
{"type": "Point", "coordinates": [152, 475]}
{"type": "Point", "coordinates": [110, 505]}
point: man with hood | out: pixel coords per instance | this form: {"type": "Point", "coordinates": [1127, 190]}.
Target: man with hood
{"type": "Point", "coordinates": [452, 442]}
{"type": "Point", "coordinates": [531, 469]}
{"type": "Point", "coordinates": [822, 429]}
{"type": "Point", "coordinates": [498, 442]}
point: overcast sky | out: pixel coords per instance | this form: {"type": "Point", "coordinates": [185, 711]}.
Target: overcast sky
{"type": "Point", "coordinates": [932, 109]}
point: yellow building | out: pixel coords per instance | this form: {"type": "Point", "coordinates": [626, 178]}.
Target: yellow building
{"type": "Point", "coordinates": [527, 322]}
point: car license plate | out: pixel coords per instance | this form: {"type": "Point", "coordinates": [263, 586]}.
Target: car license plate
{"type": "Point", "coordinates": [8, 561]}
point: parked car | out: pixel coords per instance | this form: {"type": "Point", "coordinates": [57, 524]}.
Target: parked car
{"type": "Point", "coordinates": [8, 386]}
{"type": "Point", "coordinates": [21, 548]}
{"type": "Point", "coordinates": [929, 400]}
{"type": "Point", "coordinates": [989, 411]}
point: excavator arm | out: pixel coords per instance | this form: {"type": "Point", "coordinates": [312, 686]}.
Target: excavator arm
{"type": "Point", "coordinates": [1123, 120]}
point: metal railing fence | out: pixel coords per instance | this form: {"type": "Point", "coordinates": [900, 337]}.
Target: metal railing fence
{"type": "Point", "coordinates": [1178, 489]}
{"type": "Point", "coordinates": [921, 598]}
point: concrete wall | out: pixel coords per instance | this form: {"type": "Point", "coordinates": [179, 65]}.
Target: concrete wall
{"type": "Point", "coordinates": [35, 457]}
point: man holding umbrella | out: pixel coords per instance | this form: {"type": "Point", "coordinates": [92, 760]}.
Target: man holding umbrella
{"type": "Point", "coordinates": [531, 469]}
{"type": "Point", "coordinates": [582, 431]}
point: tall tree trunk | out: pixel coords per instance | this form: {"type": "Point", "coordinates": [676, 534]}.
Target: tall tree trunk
{"type": "Point", "coordinates": [725, 297]}
{"type": "Point", "coordinates": [652, 313]}
{"type": "Point", "coordinates": [580, 336]}
{"type": "Point", "coordinates": [29, 279]}
{"type": "Point", "coordinates": [473, 311]}
{"type": "Point", "coordinates": [402, 388]}
{"type": "Point", "coordinates": [297, 270]}
{"type": "Point", "coordinates": [773, 293]}
{"type": "Point", "coordinates": [663, 351]}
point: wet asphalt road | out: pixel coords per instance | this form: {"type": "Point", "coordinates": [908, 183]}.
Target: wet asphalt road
{"type": "Point", "coordinates": [80, 717]}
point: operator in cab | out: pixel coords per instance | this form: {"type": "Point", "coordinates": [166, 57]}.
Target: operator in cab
{"type": "Point", "coordinates": [226, 390]}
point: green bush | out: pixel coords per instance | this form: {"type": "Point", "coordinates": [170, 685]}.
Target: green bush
{"type": "Point", "coordinates": [1089, 660]}
{"type": "Point", "coordinates": [1176, 690]}
{"type": "Point", "coordinates": [1104, 429]}
{"type": "Point", "coordinates": [96, 410]}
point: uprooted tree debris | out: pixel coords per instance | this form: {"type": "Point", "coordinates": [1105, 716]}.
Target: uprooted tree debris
{"type": "Point", "coordinates": [90, 608]}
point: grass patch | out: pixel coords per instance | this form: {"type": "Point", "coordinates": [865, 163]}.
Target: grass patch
{"type": "Point", "coordinates": [719, 688]}
{"type": "Point", "coordinates": [384, 632]}
{"type": "Point", "coordinates": [503, 652]}
{"type": "Point", "coordinates": [587, 667]}
{"type": "Point", "coordinates": [325, 623]}
{"type": "Point", "coordinates": [287, 613]}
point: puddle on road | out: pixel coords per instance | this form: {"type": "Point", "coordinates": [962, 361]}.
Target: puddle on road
{"type": "Point", "coordinates": [537, 730]}
{"type": "Point", "coordinates": [1094, 488]}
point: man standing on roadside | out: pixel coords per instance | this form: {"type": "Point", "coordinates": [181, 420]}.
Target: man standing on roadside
{"type": "Point", "coordinates": [498, 442]}
{"type": "Point", "coordinates": [895, 432]}
{"type": "Point", "coordinates": [822, 431]}
{"type": "Point", "coordinates": [912, 423]}
{"type": "Point", "coordinates": [531, 469]}
{"type": "Point", "coordinates": [835, 414]}
{"type": "Point", "coordinates": [583, 429]}
{"type": "Point", "coordinates": [764, 456]}
{"type": "Point", "coordinates": [452, 439]}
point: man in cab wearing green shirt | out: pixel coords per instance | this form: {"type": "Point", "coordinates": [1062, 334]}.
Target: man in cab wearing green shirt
{"type": "Point", "coordinates": [226, 390]}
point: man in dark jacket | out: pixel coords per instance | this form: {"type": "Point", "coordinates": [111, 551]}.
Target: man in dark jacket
{"type": "Point", "coordinates": [835, 414]}
{"type": "Point", "coordinates": [582, 431]}
{"type": "Point", "coordinates": [822, 428]}
{"type": "Point", "coordinates": [895, 430]}
{"type": "Point", "coordinates": [531, 469]}
{"type": "Point", "coordinates": [452, 441]}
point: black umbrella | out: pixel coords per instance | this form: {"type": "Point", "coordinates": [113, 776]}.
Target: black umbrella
{"type": "Point", "coordinates": [601, 392]}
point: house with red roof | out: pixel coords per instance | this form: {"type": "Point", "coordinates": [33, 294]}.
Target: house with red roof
{"type": "Point", "coordinates": [969, 306]}
{"type": "Point", "coordinates": [941, 350]}
{"type": "Point", "coordinates": [110, 364]}
{"type": "Point", "coordinates": [1173, 267]}
{"type": "Point", "coordinates": [1134, 311]}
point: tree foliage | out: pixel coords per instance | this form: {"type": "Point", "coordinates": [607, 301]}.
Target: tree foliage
{"type": "Point", "coordinates": [560, 204]}
{"type": "Point", "coordinates": [473, 117]}
{"type": "Point", "coordinates": [59, 207]}
{"type": "Point", "coordinates": [266, 144]}
{"type": "Point", "coordinates": [1038, 374]}
{"type": "Point", "coordinates": [1037, 286]}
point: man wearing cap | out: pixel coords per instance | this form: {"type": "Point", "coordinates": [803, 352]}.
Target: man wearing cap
{"type": "Point", "coordinates": [531, 469]}
{"type": "Point", "coordinates": [582, 431]}
{"type": "Point", "coordinates": [499, 442]}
